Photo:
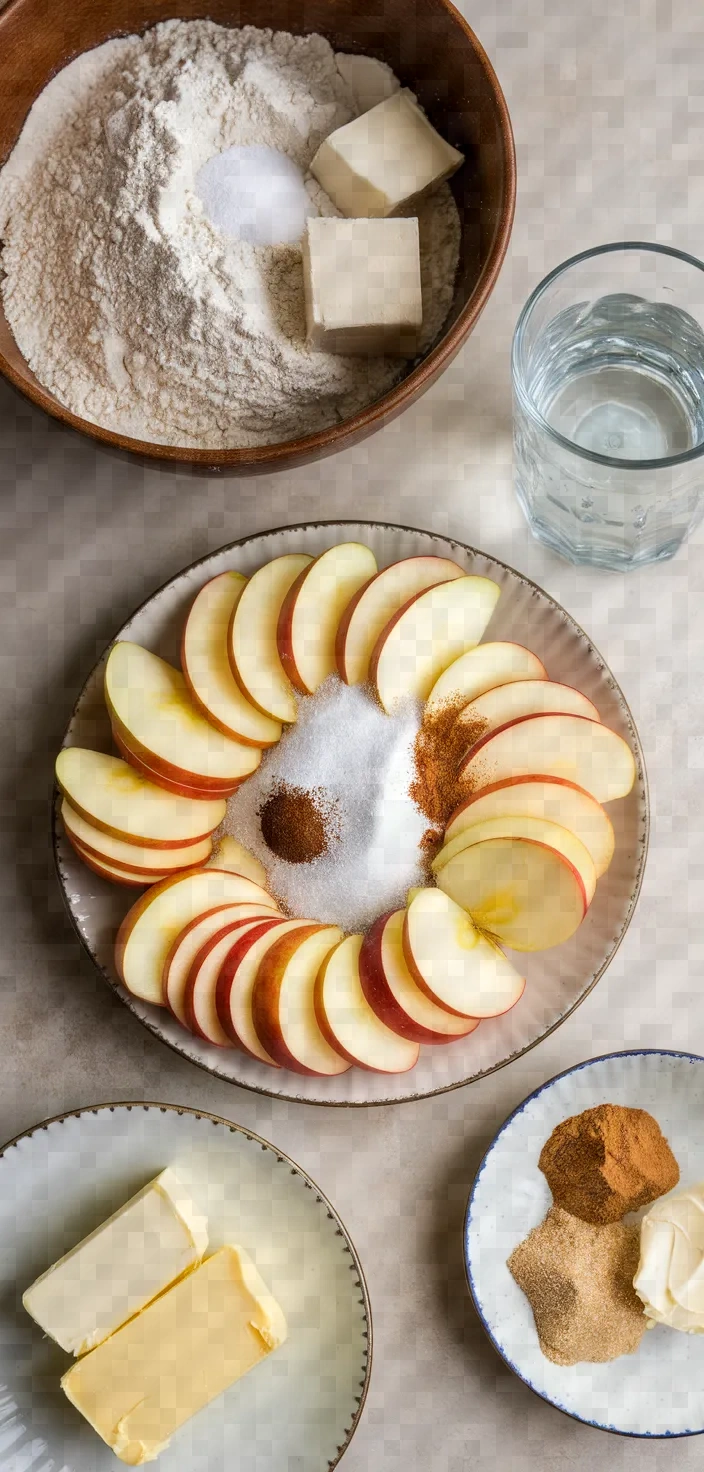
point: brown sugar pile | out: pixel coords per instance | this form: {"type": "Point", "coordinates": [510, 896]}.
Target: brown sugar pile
{"type": "Point", "coordinates": [608, 1161]}
{"type": "Point", "coordinates": [298, 825]}
{"type": "Point", "coordinates": [439, 747]}
{"type": "Point", "coordinates": [578, 1279]}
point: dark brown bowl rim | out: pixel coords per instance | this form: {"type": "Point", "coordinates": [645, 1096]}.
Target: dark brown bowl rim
{"type": "Point", "coordinates": [270, 457]}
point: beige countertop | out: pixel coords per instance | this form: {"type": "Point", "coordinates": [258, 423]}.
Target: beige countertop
{"type": "Point", "coordinates": [608, 110]}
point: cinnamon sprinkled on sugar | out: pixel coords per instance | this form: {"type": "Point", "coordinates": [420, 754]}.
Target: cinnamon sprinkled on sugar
{"type": "Point", "coordinates": [440, 745]}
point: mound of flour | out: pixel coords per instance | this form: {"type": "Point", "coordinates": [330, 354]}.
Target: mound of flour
{"type": "Point", "coordinates": [127, 303]}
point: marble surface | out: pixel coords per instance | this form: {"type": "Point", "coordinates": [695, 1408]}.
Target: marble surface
{"type": "Point", "coordinates": [608, 109]}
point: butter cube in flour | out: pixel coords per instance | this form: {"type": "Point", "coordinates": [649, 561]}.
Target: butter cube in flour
{"type": "Point", "coordinates": [362, 285]}
{"type": "Point", "coordinates": [153, 1239]}
{"type": "Point", "coordinates": [384, 160]}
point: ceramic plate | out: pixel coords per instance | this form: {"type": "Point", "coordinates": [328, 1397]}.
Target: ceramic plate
{"type": "Point", "coordinates": [297, 1409]}
{"type": "Point", "coordinates": [558, 979]}
{"type": "Point", "coordinates": [659, 1390]}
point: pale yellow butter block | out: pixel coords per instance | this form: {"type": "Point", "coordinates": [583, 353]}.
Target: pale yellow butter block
{"type": "Point", "coordinates": [185, 1349]}
{"type": "Point", "coordinates": [362, 286]}
{"type": "Point", "coordinates": [385, 160]}
{"type": "Point", "coordinates": [109, 1276]}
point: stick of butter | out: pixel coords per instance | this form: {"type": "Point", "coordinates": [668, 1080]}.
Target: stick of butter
{"type": "Point", "coordinates": [384, 160]}
{"type": "Point", "coordinates": [109, 1276]}
{"type": "Point", "coordinates": [362, 285]}
{"type": "Point", "coordinates": [186, 1348]}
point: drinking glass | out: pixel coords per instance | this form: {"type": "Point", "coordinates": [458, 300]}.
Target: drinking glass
{"type": "Point", "coordinates": [608, 386]}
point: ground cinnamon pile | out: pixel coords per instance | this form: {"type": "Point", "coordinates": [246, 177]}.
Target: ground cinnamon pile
{"type": "Point", "coordinates": [606, 1162]}
{"type": "Point", "coordinates": [578, 1279]}
{"type": "Point", "coordinates": [298, 825]}
{"type": "Point", "coordinates": [439, 746]}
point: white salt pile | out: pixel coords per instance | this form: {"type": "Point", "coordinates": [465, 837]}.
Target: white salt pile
{"type": "Point", "coordinates": [362, 759]}
{"type": "Point", "coordinates": [255, 194]}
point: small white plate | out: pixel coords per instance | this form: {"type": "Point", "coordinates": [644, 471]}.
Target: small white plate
{"type": "Point", "coordinates": [300, 1407]}
{"type": "Point", "coordinates": [558, 979]}
{"type": "Point", "coordinates": [659, 1390]}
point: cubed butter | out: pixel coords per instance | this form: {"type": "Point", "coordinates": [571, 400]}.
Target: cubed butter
{"type": "Point", "coordinates": [138, 1387]}
{"type": "Point", "coordinates": [362, 285]}
{"type": "Point", "coordinates": [109, 1276]}
{"type": "Point", "coordinates": [388, 158]}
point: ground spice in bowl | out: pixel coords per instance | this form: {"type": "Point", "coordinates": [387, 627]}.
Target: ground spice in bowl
{"type": "Point", "coordinates": [298, 825]}
{"type": "Point", "coordinates": [608, 1161]}
{"type": "Point", "coordinates": [440, 745]}
{"type": "Point", "coordinates": [578, 1279]}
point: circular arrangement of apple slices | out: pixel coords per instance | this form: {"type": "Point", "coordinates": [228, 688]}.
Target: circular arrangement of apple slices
{"type": "Point", "coordinates": [520, 858]}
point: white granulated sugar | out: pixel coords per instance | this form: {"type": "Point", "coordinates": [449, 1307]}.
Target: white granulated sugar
{"type": "Point", "coordinates": [127, 302]}
{"type": "Point", "coordinates": [255, 194]}
{"type": "Point", "coordinates": [362, 759]}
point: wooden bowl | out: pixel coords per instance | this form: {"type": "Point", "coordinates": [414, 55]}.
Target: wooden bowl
{"type": "Point", "coordinates": [431, 49]}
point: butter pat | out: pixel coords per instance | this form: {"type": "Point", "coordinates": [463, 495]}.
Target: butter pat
{"type": "Point", "coordinates": [670, 1277]}
{"type": "Point", "coordinates": [187, 1347]}
{"type": "Point", "coordinates": [386, 159]}
{"type": "Point", "coordinates": [152, 1240]}
{"type": "Point", "coordinates": [362, 285]}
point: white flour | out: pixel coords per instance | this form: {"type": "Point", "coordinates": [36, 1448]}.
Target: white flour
{"type": "Point", "coordinates": [127, 303]}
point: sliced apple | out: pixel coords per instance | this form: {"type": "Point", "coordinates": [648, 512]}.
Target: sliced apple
{"type": "Point", "coordinates": [426, 635]}
{"type": "Point", "coordinates": [116, 874]}
{"type": "Point", "coordinates": [453, 963]}
{"type": "Point", "coordinates": [231, 854]}
{"type": "Point", "coordinates": [542, 797]}
{"type": "Point", "coordinates": [376, 602]}
{"type": "Point", "coordinates": [132, 855]}
{"type": "Point", "coordinates": [526, 698]}
{"type": "Point", "coordinates": [312, 609]}
{"type": "Point", "coordinates": [348, 1022]}
{"type": "Point", "coordinates": [252, 647]}
{"type": "Point", "coordinates": [526, 894]}
{"type": "Point", "coordinates": [582, 751]}
{"type": "Point", "coordinates": [201, 984]}
{"type": "Point", "coordinates": [490, 664]}
{"type": "Point", "coordinates": [393, 993]}
{"type": "Point", "coordinates": [235, 986]}
{"type": "Point", "coordinates": [168, 784]}
{"type": "Point", "coordinates": [189, 941]}
{"type": "Point", "coordinates": [151, 710]}
{"type": "Point", "coordinates": [110, 795]}
{"type": "Point", "coordinates": [283, 1001]}
{"type": "Point", "coordinates": [150, 928]}
{"type": "Point", "coordinates": [538, 830]}
{"type": "Point", "coordinates": [207, 670]}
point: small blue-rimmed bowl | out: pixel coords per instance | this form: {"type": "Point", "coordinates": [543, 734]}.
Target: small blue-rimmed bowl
{"type": "Point", "coordinates": [658, 1390]}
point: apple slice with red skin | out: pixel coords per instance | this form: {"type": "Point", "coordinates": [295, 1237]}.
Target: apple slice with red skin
{"type": "Point", "coordinates": [151, 926]}
{"type": "Point", "coordinates": [552, 745]}
{"type": "Point", "coordinates": [176, 789]}
{"type": "Point", "coordinates": [453, 963]}
{"type": "Point", "coordinates": [231, 854]}
{"type": "Point", "coordinates": [348, 1022]}
{"type": "Point", "coordinates": [527, 895]}
{"type": "Point", "coordinates": [189, 942]}
{"type": "Point", "coordinates": [115, 851]}
{"type": "Point", "coordinates": [527, 698]}
{"type": "Point", "coordinates": [376, 602]}
{"type": "Point", "coordinates": [252, 639]}
{"type": "Point", "coordinates": [235, 985]}
{"type": "Point", "coordinates": [537, 830]}
{"type": "Point", "coordinates": [480, 669]}
{"type": "Point", "coordinates": [201, 984]}
{"type": "Point", "coordinates": [151, 710]}
{"type": "Point", "coordinates": [542, 797]}
{"type": "Point", "coordinates": [312, 609]}
{"type": "Point", "coordinates": [111, 795]}
{"type": "Point", "coordinates": [393, 993]}
{"type": "Point", "coordinates": [206, 665]}
{"type": "Point", "coordinates": [283, 1002]}
{"type": "Point", "coordinates": [130, 878]}
{"type": "Point", "coordinates": [427, 634]}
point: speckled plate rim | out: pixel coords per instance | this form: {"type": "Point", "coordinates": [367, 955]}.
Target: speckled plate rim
{"type": "Point", "coordinates": [281, 1158]}
{"type": "Point", "coordinates": [296, 528]}
{"type": "Point", "coordinates": [541, 1395]}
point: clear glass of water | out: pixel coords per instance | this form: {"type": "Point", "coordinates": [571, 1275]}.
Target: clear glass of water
{"type": "Point", "coordinates": [608, 384]}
